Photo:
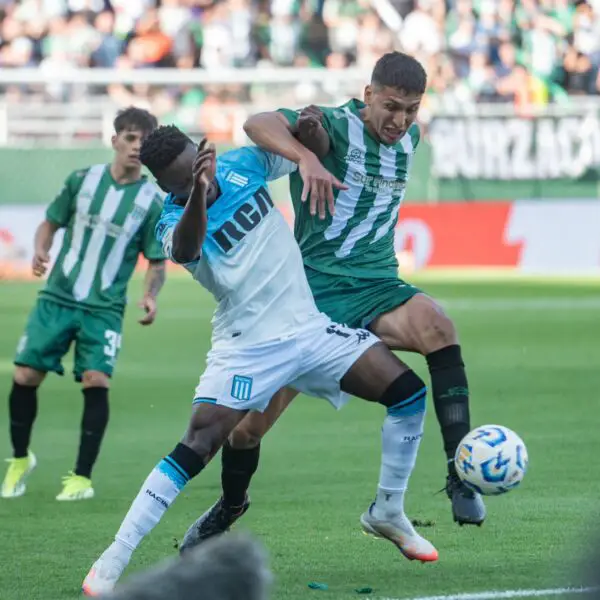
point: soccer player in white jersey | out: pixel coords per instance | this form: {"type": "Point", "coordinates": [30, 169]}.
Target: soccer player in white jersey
{"type": "Point", "coordinates": [220, 223]}
{"type": "Point", "coordinates": [109, 213]}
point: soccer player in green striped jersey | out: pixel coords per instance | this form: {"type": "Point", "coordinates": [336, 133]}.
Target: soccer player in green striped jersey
{"type": "Point", "coordinates": [360, 161]}
{"type": "Point", "coordinates": [355, 159]}
{"type": "Point", "coordinates": [109, 213]}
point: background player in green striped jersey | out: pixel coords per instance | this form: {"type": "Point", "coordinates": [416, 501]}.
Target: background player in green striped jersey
{"type": "Point", "coordinates": [109, 213]}
{"type": "Point", "coordinates": [355, 158]}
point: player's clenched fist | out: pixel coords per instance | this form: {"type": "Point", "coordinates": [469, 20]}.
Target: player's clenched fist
{"type": "Point", "coordinates": [203, 168]}
{"type": "Point", "coordinates": [40, 263]}
{"type": "Point", "coordinates": [148, 305]}
{"type": "Point", "coordinates": [309, 120]}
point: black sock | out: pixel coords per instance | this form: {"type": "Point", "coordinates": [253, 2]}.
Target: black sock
{"type": "Point", "coordinates": [93, 426]}
{"type": "Point", "coordinates": [22, 407]}
{"type": "Point", "coordinates": [237, 468]}
{"type": "Point", "coordinates": [188, 460]}
{"type": "Point", "coordinates": [450, 397]}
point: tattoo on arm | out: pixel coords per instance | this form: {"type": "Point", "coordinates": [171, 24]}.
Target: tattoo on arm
{"type": "Point", "coordinates": [155, 277]}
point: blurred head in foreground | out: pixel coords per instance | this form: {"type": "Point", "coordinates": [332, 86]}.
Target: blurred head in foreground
{"type": "Point", "coordinates": [230, 567]}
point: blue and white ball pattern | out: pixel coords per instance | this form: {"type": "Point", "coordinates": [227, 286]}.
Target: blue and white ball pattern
{"type": "Point", "coordinates": [491, 460]}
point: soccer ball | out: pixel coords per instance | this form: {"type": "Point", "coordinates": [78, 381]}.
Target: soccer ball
{"type": "Point", "coordinates": [491, 460]}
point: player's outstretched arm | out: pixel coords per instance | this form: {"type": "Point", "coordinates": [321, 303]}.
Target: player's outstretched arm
{"type": "Point", "coordinates": [190, 231]}
{"type": "Point", "coordinates": [271, 132]}
{"type": "Point", "coordinates": [42, 243]}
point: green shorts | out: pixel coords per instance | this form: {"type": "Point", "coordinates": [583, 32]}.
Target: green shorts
{"type": "Point", "coordinates": [357, 302]}
{"type": "Point", "coordinates": [53, 327]}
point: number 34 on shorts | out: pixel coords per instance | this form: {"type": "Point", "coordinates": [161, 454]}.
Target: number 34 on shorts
{"type": "Point", "coordinates": [313, 360]}
{"type": "Point", "coordinates": [113, 343]}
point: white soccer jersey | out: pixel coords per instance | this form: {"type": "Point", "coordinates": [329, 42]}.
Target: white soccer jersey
{"type": "Point", "coordinates": [250, 260]}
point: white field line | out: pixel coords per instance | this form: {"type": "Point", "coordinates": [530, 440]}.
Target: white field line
{"type": "Point", "coordinates": [501, 595]}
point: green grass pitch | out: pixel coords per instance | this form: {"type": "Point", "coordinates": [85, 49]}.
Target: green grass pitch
{"type": "Point", "coordinates": [533, 358]}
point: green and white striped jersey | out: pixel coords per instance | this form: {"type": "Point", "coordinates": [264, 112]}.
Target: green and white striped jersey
{"type": "Point", "coordinates": [358, 240]}
{"type": "Point", "coordinates": [107, 225]}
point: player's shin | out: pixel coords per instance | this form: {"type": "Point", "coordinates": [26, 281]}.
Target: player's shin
{"type": "Point", "coordinates": [157, 493]}
{"type": "Point", "coordinates": [401, 436]}
{"type": "Point", "coordinates": [238, 467]}
{"type": "Point", "coordinates": [450, 397]}
{"type": "Point", "coordinates": [93, 426]}
{"type": "Point", "coordinates": [208, 429]}
{"type": "Point", "coordinates": [22, 404]}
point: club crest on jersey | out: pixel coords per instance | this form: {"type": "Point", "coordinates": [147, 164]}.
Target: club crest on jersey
{"type": "Point", "coordinates": [236, 179]}
{"type": "Point", "coordinates": [138, 213]}
{"type": "Point", "coordinates": [241, 388]}
{"type": "Point", "coordinates": [355, 156]}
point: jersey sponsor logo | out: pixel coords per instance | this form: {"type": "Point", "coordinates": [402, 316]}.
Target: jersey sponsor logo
{"type": "Point", "coordinates": [236, 179]}
{"type": "Point", "coordinates": [376, 184]}
{"type": "Point", "coordinates": [243, 221]}
{"type": "Point", "coordinates": [85, 195]}
{"type": "Point", "coordinates": [241, 388]}
{"type": "Point", "coordinates": [93, 221]}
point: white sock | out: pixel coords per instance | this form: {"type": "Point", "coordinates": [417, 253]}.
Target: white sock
{"type": "Point", "coordinates": [400, 439]}
{"type": "Point", "coordinates": [154, 498]}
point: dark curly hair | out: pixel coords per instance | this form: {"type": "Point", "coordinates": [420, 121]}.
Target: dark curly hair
{"type": "Point", "coordinates": [162, 147]}
{"type": "Point", "coordinates": [400, 71]}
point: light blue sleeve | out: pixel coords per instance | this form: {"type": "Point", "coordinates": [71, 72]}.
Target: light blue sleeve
{"type": "Point", "coordinates": [277, 166]}
{"type": "Point", "coordinates": [170, 216]}
{"type": "Point", "coordinates": [268, 165]}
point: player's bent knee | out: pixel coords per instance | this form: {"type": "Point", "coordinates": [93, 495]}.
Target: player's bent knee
{"type": "Point", "coordinates": [243, 439]}
{"type": "Point", "coordinates": [255, 425]}
{"type": "Point", "coordinates": [209, 428]}
{"type": "Point", "coordinates": [405, 396]}
{"type": "Point", "coordinates": [203, 442]}
{"type": "Point", "coordinates": [91, 379]}
{"type": "Point", "coordinates": [28, 377]}
{"type": "Point", "coordinates": [436, 330]}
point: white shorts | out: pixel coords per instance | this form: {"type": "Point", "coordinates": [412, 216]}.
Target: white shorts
{"type": "Point", "coordinates": [312, 360]}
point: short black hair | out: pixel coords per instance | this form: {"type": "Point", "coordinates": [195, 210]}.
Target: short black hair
{"type": "Point", "coordinates": [136, 119]}
{"type": "Point", "coordinates": [400, 71]}
{"type": "Point", "coordinates": [162, 147]}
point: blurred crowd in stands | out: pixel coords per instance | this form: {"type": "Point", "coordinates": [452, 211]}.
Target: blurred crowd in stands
{"type": "Point", "coordinates": [507, 51]}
